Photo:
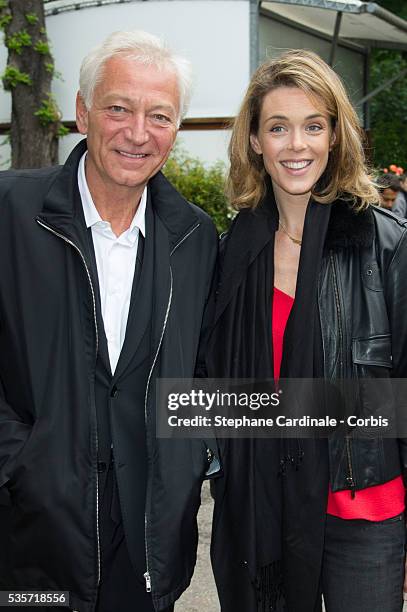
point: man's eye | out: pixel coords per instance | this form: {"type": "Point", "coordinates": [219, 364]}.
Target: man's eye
{"type": "Point", "coordinates": [115, 108]}
{"type": "Point", "coordinates": [161, 118]}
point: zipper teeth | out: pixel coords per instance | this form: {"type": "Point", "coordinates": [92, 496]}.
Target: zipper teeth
{"type": "Point", "coordinates": [145, 412]}
{"type": "Point", "coordinates": [147, 573]}
{"type": "Point", "coordinates": [338, 308]}
{"type": "Point", "coordinates": [87, 272]}
{"type": "Point", "coordinates": [349, 460]}
{"type": "Point", "coordinates": [184, 238]}
{"type": "Point", "coordinates": [68, 241]}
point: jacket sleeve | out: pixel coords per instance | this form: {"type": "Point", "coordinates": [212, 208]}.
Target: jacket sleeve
{"type": "Point", "coordinates": [395, 283]}
{"type": "Point", "coordinates": [13, 435]}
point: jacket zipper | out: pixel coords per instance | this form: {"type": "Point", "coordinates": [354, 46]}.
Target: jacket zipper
{"type": "Point", "coordinates": [68, 241]}
{"type": "Point", "coordinates": [147, 576]}
{"type": "Point", "coordinates": [350, 478]}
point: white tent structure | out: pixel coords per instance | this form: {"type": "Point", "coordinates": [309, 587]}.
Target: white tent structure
{"type": "Point", "coordinates": [343, 32]}
{"type": "Point", "coordinates": [225, 40]}
{"type": "Point", "coordinates": [365, 23]}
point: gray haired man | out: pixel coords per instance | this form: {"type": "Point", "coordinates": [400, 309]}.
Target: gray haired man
{"type": "Point", "coordinates": [105, 271]}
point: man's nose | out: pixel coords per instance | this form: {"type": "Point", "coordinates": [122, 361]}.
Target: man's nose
{"type": "Point", "coordinates": [137, 130]}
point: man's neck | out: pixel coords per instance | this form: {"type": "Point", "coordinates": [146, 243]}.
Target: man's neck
{"type": "Point", "coordinates": [116, 204]}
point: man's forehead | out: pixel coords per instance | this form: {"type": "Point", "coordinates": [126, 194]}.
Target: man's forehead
{"type": "Point", "coordinates": [129, 79]}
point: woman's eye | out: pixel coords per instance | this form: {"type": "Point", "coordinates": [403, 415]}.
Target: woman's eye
{"type": "Point", "coordinates": [276, 129]}
{"type": "Point", "coordinates": [315, 127]}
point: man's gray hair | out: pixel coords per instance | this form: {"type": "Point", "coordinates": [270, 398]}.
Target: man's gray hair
{"type": "Point", "coordinates": [142, 47]}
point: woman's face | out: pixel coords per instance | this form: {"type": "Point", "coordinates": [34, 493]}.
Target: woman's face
{"type": "Point", "coordinates": [294, 138]}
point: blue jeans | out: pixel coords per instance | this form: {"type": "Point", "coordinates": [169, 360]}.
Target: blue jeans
{"type": "Point", "coordinates": [363, 565]}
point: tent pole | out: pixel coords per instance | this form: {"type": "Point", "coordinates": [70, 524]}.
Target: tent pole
{"type": "Point", "coordinates": [254, 34]}
{"type": "Point", "coordinates": [335, 38]}
{"type": "Point", "coordinates": [384, 85]}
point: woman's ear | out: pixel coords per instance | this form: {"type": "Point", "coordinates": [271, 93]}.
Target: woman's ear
{"type": "Point", "coordinates": [332, 139]}
{"type": "Point", "coordinates": [255, 144]}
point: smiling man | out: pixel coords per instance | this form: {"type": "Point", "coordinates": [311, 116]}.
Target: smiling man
{"type": "Point", "coordinates": [105, 271]}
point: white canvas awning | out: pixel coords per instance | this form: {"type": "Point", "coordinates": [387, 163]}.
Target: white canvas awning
{"type": "Point", "coordinates": [365, 23]}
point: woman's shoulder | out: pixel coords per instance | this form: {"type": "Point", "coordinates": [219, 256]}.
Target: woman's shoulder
{"type": "Point", "coordinates": [350, 227]}
{"type": "Point", "coordinates": [389, 227]}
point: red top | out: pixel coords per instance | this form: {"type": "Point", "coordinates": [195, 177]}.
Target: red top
{"type": "Point", "coordinates": [376, 503]}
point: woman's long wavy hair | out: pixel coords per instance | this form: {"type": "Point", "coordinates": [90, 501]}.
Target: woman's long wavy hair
{"type": "Point", "coordinates": [346, 175]}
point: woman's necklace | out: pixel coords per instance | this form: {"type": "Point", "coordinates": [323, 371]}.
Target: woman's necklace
{"type": "Point", "coordinates": [295, 240]}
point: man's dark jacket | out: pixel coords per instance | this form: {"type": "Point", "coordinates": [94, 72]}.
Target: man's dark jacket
{"type": "Point", "coordinates": [362, 304]}
{"type": "Point", "coordinates": [49, 340]}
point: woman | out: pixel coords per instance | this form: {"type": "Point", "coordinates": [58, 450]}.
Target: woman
{"type": "Point", "coordinates": [313, 284]}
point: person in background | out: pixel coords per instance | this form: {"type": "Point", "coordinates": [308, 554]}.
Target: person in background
{"type": "Point", "coordinates": [400, 203]}
{"type": "Point", "coordinates": [389, 189]}
{"type": "Point", "coordinates": [105, 270]}
{"type": "Point", "coordinates": [313, 285]}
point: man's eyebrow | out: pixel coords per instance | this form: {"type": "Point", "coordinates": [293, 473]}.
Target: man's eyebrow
{"type": "Point", "coordinates": [117, 97]}
{"type": "Point", "coordinates": [112, 96]}
{"type": "Point", "coordinates": [164, 107]}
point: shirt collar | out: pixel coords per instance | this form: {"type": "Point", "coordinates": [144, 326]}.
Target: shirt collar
{"type": "Point", "coordinates": [92, 216]}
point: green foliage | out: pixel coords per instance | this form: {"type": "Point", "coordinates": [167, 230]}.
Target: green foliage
{"type": "Point", "coordinates": [3, 4]}
{"type": "Point", "coordinates": [48, 112]}
{"type": "Point", "coordinates": [5, 20]}
{"type": "Point", "coordinates": [398, 7]}
{"type": "Point", "coordinates": [62, 131]}
{"type": "Point", "coordinates": [32, 18]}
{"type": "Point", "coordinates": [42, 47]}
{"type": "Point", "coordinates": [12, 77]}
{"type": "Point", "coordinates": [200, 184]}
{"type": "Point", "coordinates": [17, 41]}
{"type": "Point", "coordinates": [389, 110]}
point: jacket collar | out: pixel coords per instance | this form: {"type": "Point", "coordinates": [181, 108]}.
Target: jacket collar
{"type": "Point", "coordinates": [348, 228]}
{"type": "Point", "coordinates": [251, 231]}
{"type": "Point", "coordinates": [62, 208]}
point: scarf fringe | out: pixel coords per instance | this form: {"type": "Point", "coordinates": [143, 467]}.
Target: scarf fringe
{"type": "Point", "coordinates": [269, 587]}
{"type": "Point", "coordinates": [292, 458]}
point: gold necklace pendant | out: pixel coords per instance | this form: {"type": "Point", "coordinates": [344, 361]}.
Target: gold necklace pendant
{"type": "Point", "coordinates": [292, 238]}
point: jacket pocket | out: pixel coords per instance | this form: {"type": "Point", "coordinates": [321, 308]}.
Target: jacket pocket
{"type": "Point", "coordinates": [373, 351]}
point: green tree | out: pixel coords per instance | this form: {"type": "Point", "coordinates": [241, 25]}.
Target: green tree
{"type": "Point", "coordinates": [389, 108]}
{"type": "Point", "coordinates": [35, 117]}
{"type": "Point", "coordinates": [203, 185]}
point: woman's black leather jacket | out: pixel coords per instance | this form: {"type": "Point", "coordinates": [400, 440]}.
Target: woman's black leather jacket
{"type": "Point", "coordinates": [363, 314]}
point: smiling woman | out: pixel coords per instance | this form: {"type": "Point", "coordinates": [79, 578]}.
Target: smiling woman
{"type": "Point", "coordinates": [294, 301]}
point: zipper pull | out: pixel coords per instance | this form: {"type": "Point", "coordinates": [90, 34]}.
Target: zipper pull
{"type": "Point", "coordinates": [148, 582]}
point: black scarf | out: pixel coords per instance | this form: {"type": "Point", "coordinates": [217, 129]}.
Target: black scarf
{"type": "Point", "coordinates": [272, 524]}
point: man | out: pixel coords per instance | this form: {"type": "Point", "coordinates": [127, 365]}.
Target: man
{"type": "Point", "coordinates": [400, 203]}
{"type": "Point", "coordinates": [105, 271]}
{"type": "Point", "coordinates": [389, 187]}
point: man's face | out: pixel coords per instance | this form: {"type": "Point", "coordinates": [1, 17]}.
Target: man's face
{"type": "Point", "coordinates": [388, 197]}
{"type": "Point", "coordinates": [131, 125]}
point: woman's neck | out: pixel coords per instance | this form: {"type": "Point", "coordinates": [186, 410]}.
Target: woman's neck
{"type": "Point", "coordinates": [291, 210]}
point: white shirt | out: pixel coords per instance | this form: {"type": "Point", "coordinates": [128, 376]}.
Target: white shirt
{"type": "Point", "coordinates": [115, 261]}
